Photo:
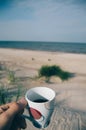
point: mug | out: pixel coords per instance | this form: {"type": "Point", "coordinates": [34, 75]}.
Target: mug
{"type": "Point", "coordinates": [40, 105]}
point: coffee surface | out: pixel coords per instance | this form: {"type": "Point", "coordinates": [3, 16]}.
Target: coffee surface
{"type": "Point", "coordinates": [40, 100]}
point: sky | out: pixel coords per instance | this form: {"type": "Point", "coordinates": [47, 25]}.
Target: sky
{"type": "Point", "coordinates": [43, 20]}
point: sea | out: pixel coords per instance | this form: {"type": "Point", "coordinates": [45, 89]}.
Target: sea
{"type": "Point", "coordinates": [46, 46]}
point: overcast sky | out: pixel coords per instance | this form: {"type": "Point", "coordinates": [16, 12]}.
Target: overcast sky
{"type": "Point", "coordinates": [43, 20]}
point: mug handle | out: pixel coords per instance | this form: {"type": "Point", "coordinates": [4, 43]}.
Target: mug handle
{"type": "Point", "coordinates": [36, 115]}
{"type": "Point", "coordinates": [35, 123]}
{"type": "Point", "coordinates": [27, 117]}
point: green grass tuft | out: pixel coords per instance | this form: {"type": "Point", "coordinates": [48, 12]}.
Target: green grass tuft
{"type": "Point", "coordinates": [53, 70]}
{"type": "Point", "coordinates": [11, 76]}
{"type": "Point", "coordinates": [3, 95]}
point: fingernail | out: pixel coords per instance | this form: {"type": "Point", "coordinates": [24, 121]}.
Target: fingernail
{"type": "Point", "coordinates": [22, 102]}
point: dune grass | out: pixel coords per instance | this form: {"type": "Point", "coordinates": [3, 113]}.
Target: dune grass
{"type": "Point", "coordinates": [53, 70]}
{"type": "Point", "coordinates": [11, 76]}
{"type": "Point", "coordinates": [3, 95]}
{"type": "Point", "coordinates": [8, 95]}
{"type": "Point", "coordinates": [10, 91]}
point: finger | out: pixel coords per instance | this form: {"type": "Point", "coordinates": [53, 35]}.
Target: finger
{"type": "Point", "coordinates": [1, 111]}
{"type": "Point", "coordinates": [18, 123]}
{"type": "Point", "coordinates": [4, 107]}
{"type": "Point", "coordinates": [21, 122]}
{"type": "Point", "coordinates": [21, 112]}
{"type": "Point", "coordinates": [16, 129]}
{"type": "Point", "coordinates": [14, 108]}
{"type": "Point", "coordinates": [14, 126]}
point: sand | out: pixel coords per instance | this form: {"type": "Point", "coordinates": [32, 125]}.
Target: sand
{"type": "Point", "coordinates": [26, 63]}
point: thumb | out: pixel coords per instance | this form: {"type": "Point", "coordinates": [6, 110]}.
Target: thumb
{"type": "Point", "coordinates": [17, 107]}
{"type": "Point", "coordinates": [8, 116]}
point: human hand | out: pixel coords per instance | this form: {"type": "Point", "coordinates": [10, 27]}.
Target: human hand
{"type": "Point", "coordinates": [10, 115]}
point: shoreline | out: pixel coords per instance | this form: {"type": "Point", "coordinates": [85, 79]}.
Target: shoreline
{"type": "Point", "coordinates": [33, 50]}
{"type": "Point", "coordinates": [46, 46]}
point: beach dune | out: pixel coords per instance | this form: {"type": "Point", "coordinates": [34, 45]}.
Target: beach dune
{"type": "Point", "coordinates": [72, 91]}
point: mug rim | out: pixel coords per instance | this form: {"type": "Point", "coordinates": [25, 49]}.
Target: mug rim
{"type": "Point", "coordinates": [40, 87]}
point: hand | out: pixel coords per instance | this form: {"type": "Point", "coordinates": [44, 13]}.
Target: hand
{"type": "Point", "coordinates": [10, 115]}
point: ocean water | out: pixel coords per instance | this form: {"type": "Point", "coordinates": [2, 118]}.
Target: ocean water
{"type": "Point", "coordinates": [45, 46]}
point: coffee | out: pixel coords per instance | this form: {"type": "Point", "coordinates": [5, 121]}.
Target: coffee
{"type": "Point", "coordinates": [40, 100]}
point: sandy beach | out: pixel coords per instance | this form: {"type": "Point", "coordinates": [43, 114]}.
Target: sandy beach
{"type": "Point", "coordinates": [26, 64]}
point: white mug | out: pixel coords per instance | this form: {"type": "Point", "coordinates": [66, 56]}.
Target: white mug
{"type": "Point", "coordinates": [41, 105]}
